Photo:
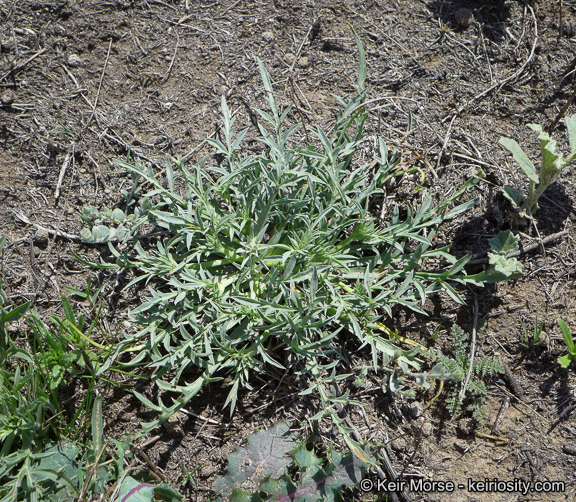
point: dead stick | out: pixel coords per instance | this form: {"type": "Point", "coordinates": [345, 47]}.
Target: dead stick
{"type": "Point", "coordinates": [99, 85]}
{"type": "Point", "coordinates": [65, 165]}
{"type": "Point", "coordinates": [518, 391]}
{"type": "Point", "coordinates": [506, 80]}
{"type": "Point", "coordinates": [561, 113]}
{"type": "Point", "coordinates": [482, 258]}
{"type": "Point", "coordinates": [20, 66]}
{"type": "Point", "coordinates": [472, 352]}
{"type": "Point", "coordinates": [500, 417]}
{"type": "Point", "coordinates": [167, 74]}
{"type": "Point", "coordinates": [231, 7]}
{"type": "Point", "coordinates": [57, 233]}
{"type": "Point", "coordinates": [300, 48]}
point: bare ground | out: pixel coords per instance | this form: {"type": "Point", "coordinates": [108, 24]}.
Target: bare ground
{"type": "Point", "coordinates": [83, 82]}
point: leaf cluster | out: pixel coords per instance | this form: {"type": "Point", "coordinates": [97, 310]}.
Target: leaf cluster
{"type": "Point", "coordinates": [273, 465]}
{"type": "Point", "coordinates": [41, 453]}
{"type": "Point", "coordinates": [274, 259]}
{"type": "Point", "coordinates": [456, 365]}
{"type": "Point", "coordinates": [551, 165]}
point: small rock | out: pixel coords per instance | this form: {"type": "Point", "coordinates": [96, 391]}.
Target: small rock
{"type": "Point", "coordinates": [303, 62]}
{"type": "Point", "coordinates": [41, 235]}
{"type": "Point", "coordinates": [416, 410]}
{"type": "Point", "coordinates": [569, 449]}
{"type": "Point", "coordinates": [7, 98]}
{"type": "Point", "coordinates": [74, 60]}
{"type": "Point", "coordinates": [7, 45]}
{"type": "Point", "coordinates": [464, 17]}
{"type": "Point", "coordinates": [289, 58]}
{"type": "Point", "coordinates": [427, 429]}
{"type": "Point", "coordinates": [399, 444]}
{"type": "Point", "coordinates": [174, 424]}
{"type": "Point", "coordinates": [207, 471]}
{"type": "Point", "coordinates": [268, 36]}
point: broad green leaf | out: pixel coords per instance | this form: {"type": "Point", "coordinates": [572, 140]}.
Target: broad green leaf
{"type": "Point", "coordinates": [571, 126]}
{"type": "Point", "coordinates": [513, 195]}
{"type": "Point", "coordinates": [504, 242]}
{"type": "Point", "coordinates": [503, 265]}
{"type": "Point", "coordinates": [100, 233]}
{"type": "Point", "coordinates": [567, 335]}
{"type": "Point", "coordinates": [521, 158]}
{"type": "Point", "coordinates": [135, 491]}
{"type": "Point", "coordinates": [565, 361]}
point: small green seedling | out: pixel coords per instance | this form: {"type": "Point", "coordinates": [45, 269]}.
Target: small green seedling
{"type": "Point", "coordinates": [535, 339]}
{"type": "Point", "coordinates": [552, 164]}
{"type": "Point", "coordinates": [567, 335]}
{"type": "Point", "coordinates": [88, 296]}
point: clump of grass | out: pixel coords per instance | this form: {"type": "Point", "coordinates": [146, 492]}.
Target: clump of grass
{"type": "Point", "coordinates": [275, 260]}
{"type": "Point", "coordinates": [46, 452]}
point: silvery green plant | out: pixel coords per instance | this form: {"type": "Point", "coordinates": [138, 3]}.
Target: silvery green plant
{"type": "Point", "coordinates": [109, 225]}
{"type": "Point", "coordinates": [275, 260]}
{"type": "Point", "coordinates": [551, 165]}
{"type": "Point", "coordinates": [104, 225]}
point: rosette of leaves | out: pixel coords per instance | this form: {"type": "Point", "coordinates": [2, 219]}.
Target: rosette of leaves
{"type": "Point", "coordinates": [101, 223]}
{"type": "Point", "coordinates": [551, 165]}
{"type": "Point", "coordinates": [274, 259]}
{"type": "Point", "coordinates": [110, 225]}
{"type": "Point", "coordinates": [274, 466]}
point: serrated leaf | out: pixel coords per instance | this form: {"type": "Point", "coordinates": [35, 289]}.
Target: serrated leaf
{"type": "Point", "coordinates": [305, 458]}
{"type": "Point", "coordinates": [504, 243]}
{"type": "Point", "coordinates": [521, 158]}
{"type": "Point", "coordinates": [503, 265]}
{"type": "Point", "coordinates": [265, 453]}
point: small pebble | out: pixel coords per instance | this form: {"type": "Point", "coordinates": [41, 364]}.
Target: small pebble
{"type": "Point", "coordinates": [427, 429]}
{"type": "Point", "coordinates": [464, 17]}
{"type": "Point", "coordinates": [569, 449]}
{"type": "Point", "coordinates": [399, 444]}
{"type": "Point", "coordinates": [416, 409]}
{"type": "Point", "coordinates": [289, 58]}
{"type": "Point", "coordinates": [173, 424]}
{"type": "Point", "coordinates": [7, 98]}
{"type": "Point", "coordinates": [74, 60]}
{"type": "Point", "coordinates": [208, 470]}
{"type": "Point", "coordinates": [303, 62]}
{"type": "Point", "coordinates": [268, 36]}
{"type": "Point", "coordinates": [41, 235]}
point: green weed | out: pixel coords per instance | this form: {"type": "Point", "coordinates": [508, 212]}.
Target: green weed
{"type": "Point", "coordinates": [565, 360]}
{"type": "Point", "coordinates": [552, 164]}
{"type": "Point", "coordinates": [456, 365]}
{"type": "Point", "coordinates": [275, 260]}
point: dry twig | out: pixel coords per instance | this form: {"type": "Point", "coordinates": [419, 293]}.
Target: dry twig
{"type": "Point", "coordinates": [99, 86]}
{"type": "Point", "coordinates": [22, 65]}
{"type": "Point", "coordinates": [502, 83]}
{"type": "Point", "coordinates": [472, 352]}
